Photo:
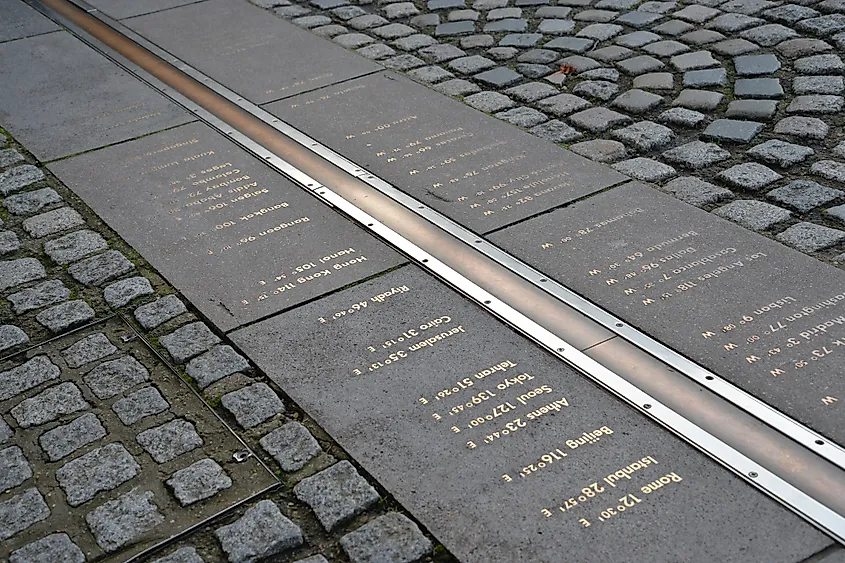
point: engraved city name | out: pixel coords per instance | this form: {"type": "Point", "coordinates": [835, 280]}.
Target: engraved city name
{"type": "Point", "coordinates": [761, 315]}
{"type": "Point", "coordinates": [478, 170]}
{"type": "Point", "coordinates": [236, 237]}
{"type": "Point", "coordinates": [456, 415]}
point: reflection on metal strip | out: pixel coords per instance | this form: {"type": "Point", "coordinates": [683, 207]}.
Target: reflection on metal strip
{"type": "Point", "coordinates": [807, 484]}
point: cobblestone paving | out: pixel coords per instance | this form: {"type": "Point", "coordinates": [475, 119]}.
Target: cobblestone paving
{"type": "Point", "coordinates": [730, 105]}
{"type": "Point", "coordinates": [106, 451]}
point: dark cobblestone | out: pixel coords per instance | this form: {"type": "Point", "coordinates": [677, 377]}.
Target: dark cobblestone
{"type": "Point", "coordinates": [733, 130]}
{"type": "Point", "coordinates": [170, 440]}
{"type": "Point", "coordinates": [600, 150]}
{"type": "Point", "coordinates": [804, 195]}
{"type": "Point", "coordinates": [261, 532]}
{"type": "Point", "coordinates": [336, 494]}
{"type": "Point", "coordinates": [99, 470]}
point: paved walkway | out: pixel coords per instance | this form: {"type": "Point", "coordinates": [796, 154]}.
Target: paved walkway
{"type": "Point", "coordinates": [734, 106]}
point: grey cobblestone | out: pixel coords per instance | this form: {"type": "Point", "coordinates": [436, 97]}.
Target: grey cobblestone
{"type": "Point", "coordinates": [11, 336]}
{"type": "Point", "coordinates": [782, 153]}
{"type": "Point", "coordinates": [31, 202]}
{"type": "Point", "coordinates": [122, 292]}
{"type": "Point", "coordinates": [818, 85]}
{"type": "Point", "coordinates": [170, 440]}
{"type": "Point", "coordinates": [120, 521]}
{"type": "Point", "coordinates": [430, 74]}
{"type": "Point", "coordinates": [313, 559]}
{"type": "Point", "coordinates": [291, 445]}
{"type": "Point", "coordinates": [645, 169]}
{"type": "Point", "coordinates": [600, 150]}
{"type": "Point", "coordinates": [598, 119]}
{"type": "Point", "coordinates": [8, 242]}
{"type": "Point", "coordinates": [253, 405]}
{"type": "Point", "coordinates": [414, 42]}
{"type": "Point", "coordinates": [19, 177]}
{"type": "Point", "coordinates": [159, 311]}
{"type": "Point", "coordinates": [819, 64]}
{"type": "Point", "coordinates": [48, 405]}
{"type": "Point", "coordinates": [6, 431]}
{"type": "Point", "coordinates": [804, 195]}
{"type": "Point", "coordinates": [52, 222]}
{"type": "Point", "coordinates": [817, 104]}
{"type": "Point", "coordinates": [336, 494]}
{"type": "Point", "coordinates": [199, 481]}
{"type": "Point", "coordinates": [97, 471]}
{"type": "Point", "coordinates": [89, 349]}
{"type": "Point", "coordinates": [215, 364]}
{"type": "Point", "coordinates": [189, 341]}
{"type": "Point", "coordinates": [74, 246]}
{"type": "Point", "coordinates": [14, 468]}
{"type": "Point", "coordinates": [22, 511]}
{"type": "Point", "coordinates": [140, 404]}
{"type": "Point", "coordinates": [829, 169]}
{"type": "Point", "coordinates": [392, 537]}
{"type": "Point", "coordinates": [101, 268]}
{"type": "Point", "coordinates": [64, 440]}
{"type": "Point", "coordinates": [41, 295]}
{"type": "Point", "coordinates": [749, 176]}
{"type": "Point", "coordinates": [66, 316]}
{"type": "Point", "coordinates": [402, 62]}
{"type": "Point", "coordinates": [261, 532]}
{"type": "Point", "coordinates": [754, 215]}
{"type": "Point", "coordinates": [696, 155]}
{"type": "Point", "coordinates": [697, 192]}
{"type": "Point", "coordinates": [489, 102]}
{"type": "Point", "coordinates": [682, 116]}
{"type": "Point", "coordinates": [809, 237]}
{"type": "Point", "coordinates": [522, 117]}
{"type": "Point", "coordinates": [556, 132]}
{"type": "Point", "coordinates": [637, 101]}
{"type": "Point", "coordinates": [640, 65]}
{"type": "Point", "coordinates": [55, 548]}
{"type": "Point", "coordinates": [17, 272]}
{"type": "Point", "coordinates": [8, 157]}
{"type": "Point", "coordinates": [802, 127]}
{"type": "Point", "coordinates": [27, 376]}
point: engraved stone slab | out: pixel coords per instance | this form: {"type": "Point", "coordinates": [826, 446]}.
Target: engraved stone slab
{"type": "Point", "coordinates": [119, 9]}
{"type": "Point", "coordinates": [60, 97]}
{"type": "Point", "coordinates": [238, 239]}
{"type": "Point", "coordinates": [766, 318]}
{"type": "Point", "coordinates": [20, 20]}
{"type": "Point", "coordinates": [261, 57]}
{"type": "Point", "coordinates": [455, 414]}
{"type": "Point", "coordinates": [481, 172]}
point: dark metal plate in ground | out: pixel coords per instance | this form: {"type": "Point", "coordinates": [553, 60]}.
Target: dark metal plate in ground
{"type": "Point", "coordinates": [20, 20]}
{"type": "Point", "coordinates": [502, 451]}
{"type": "Point", "coordinates": [175, 401]}
{"type": "Point", "coordinates": [59, 97]}
{"type": "Point", "coordinates": [766, 318]}
{"type": "Point", "coordinates": [480, 171]}
{"type": "Point", "coordinates": [250, 51]}
{"type": "Point", "coordinates": [238, 239]}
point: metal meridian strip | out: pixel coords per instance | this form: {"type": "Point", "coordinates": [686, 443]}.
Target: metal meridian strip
{"type": "Point", "coordinates": [799, 432]}
{"type": "Point", "coordinates": [796, 477]}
